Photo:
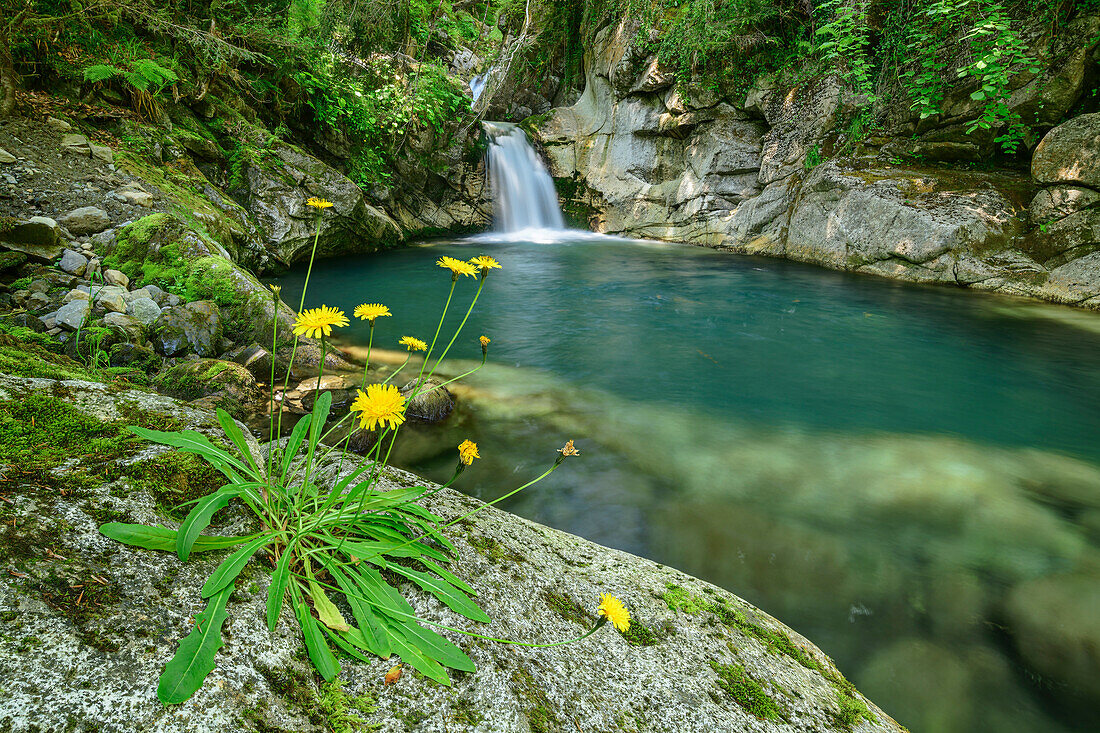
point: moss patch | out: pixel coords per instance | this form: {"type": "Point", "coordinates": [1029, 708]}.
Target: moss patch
{"type": "Point", "coordinates": [176, 478]}
{"type": "Point", "coordinates": [747, 692]}
{"type": "Point", "coordinates": [568, 609]}
{"type": "Point", "coordinates": [494, 550]}
{"type": "Point", "coordinates": [778, 642]}
{"type": "Point", "coordinates": [342, 711]}
{"type": "Point", "coordinates": [538, 710]}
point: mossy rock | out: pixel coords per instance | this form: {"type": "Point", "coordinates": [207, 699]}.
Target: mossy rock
{"type": "Point", "coordinates": [192, 380]}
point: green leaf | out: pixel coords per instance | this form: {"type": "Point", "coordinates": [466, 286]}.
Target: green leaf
{"type": "Point", "coordinates": [326, 610]}
{"type": "Point", "coordinates": [199, 518]}
{"type": "Point", "coordinates": [319, 653]}
{"type": "Point", "coordinates": [421, 663]}
{"type": "Point", "coordinates": [194, 659]}
{"type": "Point", "coordinates": [162, 538]}
{"type": "Point", "coordinates": [275, 592]}
{"type": "Point", "coordinates": [234, 433]}
{"type": "Point", "coordinates": [444, 591]}
{"type": "Point", "coordinates": [294, 443]}
{"type": "Point", "coordinates": [978, 95]}
{"type": "Point", "coordinates": [320, 415]}
{"type": "Point", "coordinates": [374, 635]}
{"type": "Point", "coordinates": [448, 576]}
{"type": "Point", "coordinates": [432, 645]}
{"type": "Point", "coordinates": [231, 566]}
{"type": "Point", "coordinates": [191, 441]}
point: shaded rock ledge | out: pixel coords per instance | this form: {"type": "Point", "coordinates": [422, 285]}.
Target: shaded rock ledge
{"type": "Point", "coordinates": [86, 624]}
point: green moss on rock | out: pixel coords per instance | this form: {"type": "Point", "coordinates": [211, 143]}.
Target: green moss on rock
{"type": "Point", "coordinates": [747, 692]}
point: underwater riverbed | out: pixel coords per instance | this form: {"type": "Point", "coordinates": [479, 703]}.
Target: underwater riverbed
{"type": "Point", "coordinates": [908, 476]}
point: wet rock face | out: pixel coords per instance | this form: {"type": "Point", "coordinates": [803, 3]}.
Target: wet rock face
{"type": "Point", "coordinates": [278, 203]}
{"type": "Point", "coordinates": [695, 658]}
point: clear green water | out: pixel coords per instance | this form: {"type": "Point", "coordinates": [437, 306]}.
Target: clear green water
{"type": "Point", "coordinates": [883, 467]}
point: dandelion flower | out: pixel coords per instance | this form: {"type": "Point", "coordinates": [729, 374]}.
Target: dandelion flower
{"type": "Point", "coordinates": [484, 341]}
{"type": "Point", "coordinates": [381, 404]}
{"type": "Point", "coordinates": [467, 452]}
{"type": "Point", "coordinates": [457, 267]}
{"type": "Point", "coordinates": [614, 611]}
{"type": "Point", "coordinates": [568, 450]}
{"type": "Point", "coordinates": [318, 203]}
{"type": "Point", "coordinates": [485, 263]}
{"type": "Point", "coordinates": [413, 344]}
{"type": "Point", "coordinates": [370, 311]}
{"type": "Point", "coordinates": [275, 290]}
{"type": "Point", "coordinates": [315, 322]}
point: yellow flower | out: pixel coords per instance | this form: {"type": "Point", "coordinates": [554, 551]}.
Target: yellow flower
{"type": "Point", "coordinates": [467, 452]}
{"type": "Point", "coordinates": [413, 344]}
{"type": "Point", "coordinates": [370, 311]}
{"type": "Point", "coordinates": [457, 267]}
{"type": "Point", "coordinates": [314, 322]}
{"type": "Point", "coordinates": [484, 341]}
{"type": "Point", "coordinates": [275, 290]}
{"type": "Point", "coordinates": [568, 450]}
{"type": "Point", "coordinates": [381, 404]}
{"type": "Point", "coordinates": [484, 262]}
{"type": "Point", "coordinates": [614, 611]}
{"type": "Point", "coordinates": [318, 203]}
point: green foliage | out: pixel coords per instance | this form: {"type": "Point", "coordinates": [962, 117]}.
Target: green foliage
{"type": "Point", "coordinates": [844, 40]}
{"type": "Point", "coordinates": [382, 108]}
{"type": "Point", "coordinates": [351, 534]}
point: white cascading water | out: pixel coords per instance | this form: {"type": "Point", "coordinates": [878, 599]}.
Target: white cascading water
{"type": "Point", "coordinates": [523, 192]}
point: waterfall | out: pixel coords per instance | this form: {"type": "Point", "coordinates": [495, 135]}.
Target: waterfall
{"type": "Point", "coordinates": [523, 192]}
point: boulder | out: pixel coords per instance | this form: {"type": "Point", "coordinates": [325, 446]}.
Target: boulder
{"type": "Point", "coordinates": [1056, 202]}
{"type": "Point", "coordinates": [433, 403]}
{"type": "Point", "coordinates": [192, 328]}
{"type": "Point", "coordinates": [145, 310]}
{"type": "Point", "coordinates": [86, 220]}
{"type": "Point", "coordinates": [6, 157]}
{"type": "Point", "coordinates": [276, 197]}
{"type": "Point", "coordinates": [73, 143]}
{"type": "Point", "coordinates": [37, 237]}
{"type": "Point", "coordinates": [192, 380]}
{"type": "Point", "coordinates": [258, 361]}
{"type": "Point", "coordinates": [135, 195]}
{"type": "Point", "coordinates": [914, 228]}
{"type": "Point", "coordinates": [73, 263]}
{"type": "Point", "coordinates": [1070, 153]}
{"type": "Point", "coordinates": [73, 314]}
{"type": "Point", "coordinates": [679, 667]}
{"type": "Point", "coordinates": [128, 354]}
{"type": "Point", "coordinates": [114, 277]}
{"type": "Point", "coordinates": [1052, 621]}
{"type": "Point", "coordinates": [126, 328]}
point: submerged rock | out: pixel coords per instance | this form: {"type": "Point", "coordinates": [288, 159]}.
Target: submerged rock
{"type": "Point", "coordinates": [93, 621]}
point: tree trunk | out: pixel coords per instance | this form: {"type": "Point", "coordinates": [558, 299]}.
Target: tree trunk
{"type": "Point", "coordinates": [7, 80]}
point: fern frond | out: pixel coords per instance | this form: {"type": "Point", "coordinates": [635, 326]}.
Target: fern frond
{"type": "Point", "coordinates": [101, 72]}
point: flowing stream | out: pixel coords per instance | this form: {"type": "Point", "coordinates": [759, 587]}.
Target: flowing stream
{"type": "Point", "coordinates": [902, 474]}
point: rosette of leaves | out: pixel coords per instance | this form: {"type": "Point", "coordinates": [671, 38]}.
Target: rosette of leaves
{"type": "Point", "coordinates": [329, 548]}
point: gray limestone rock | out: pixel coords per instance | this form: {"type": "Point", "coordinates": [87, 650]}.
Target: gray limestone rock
{"type": "Point", "coordinates": [73, 263]}
{"type": "Point", "coordinates": [1070, 153]}
{"type": "Point", "coordinates": [125, 327]}
{"type": "Point", "coordinates": [86, 220]}
{"type": "Point", "coordinates": [72, 314]}
{"type": "Point", "coordinates": [6, 157]}
{"type": "Point", "coordinates": [114, 277]}
{"type": "Point", "coordinates": [144, 310]}
{"type": "Point", "coordinates": [679, 668]}
{"type": "Point", "coordinates": [37, 237]}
